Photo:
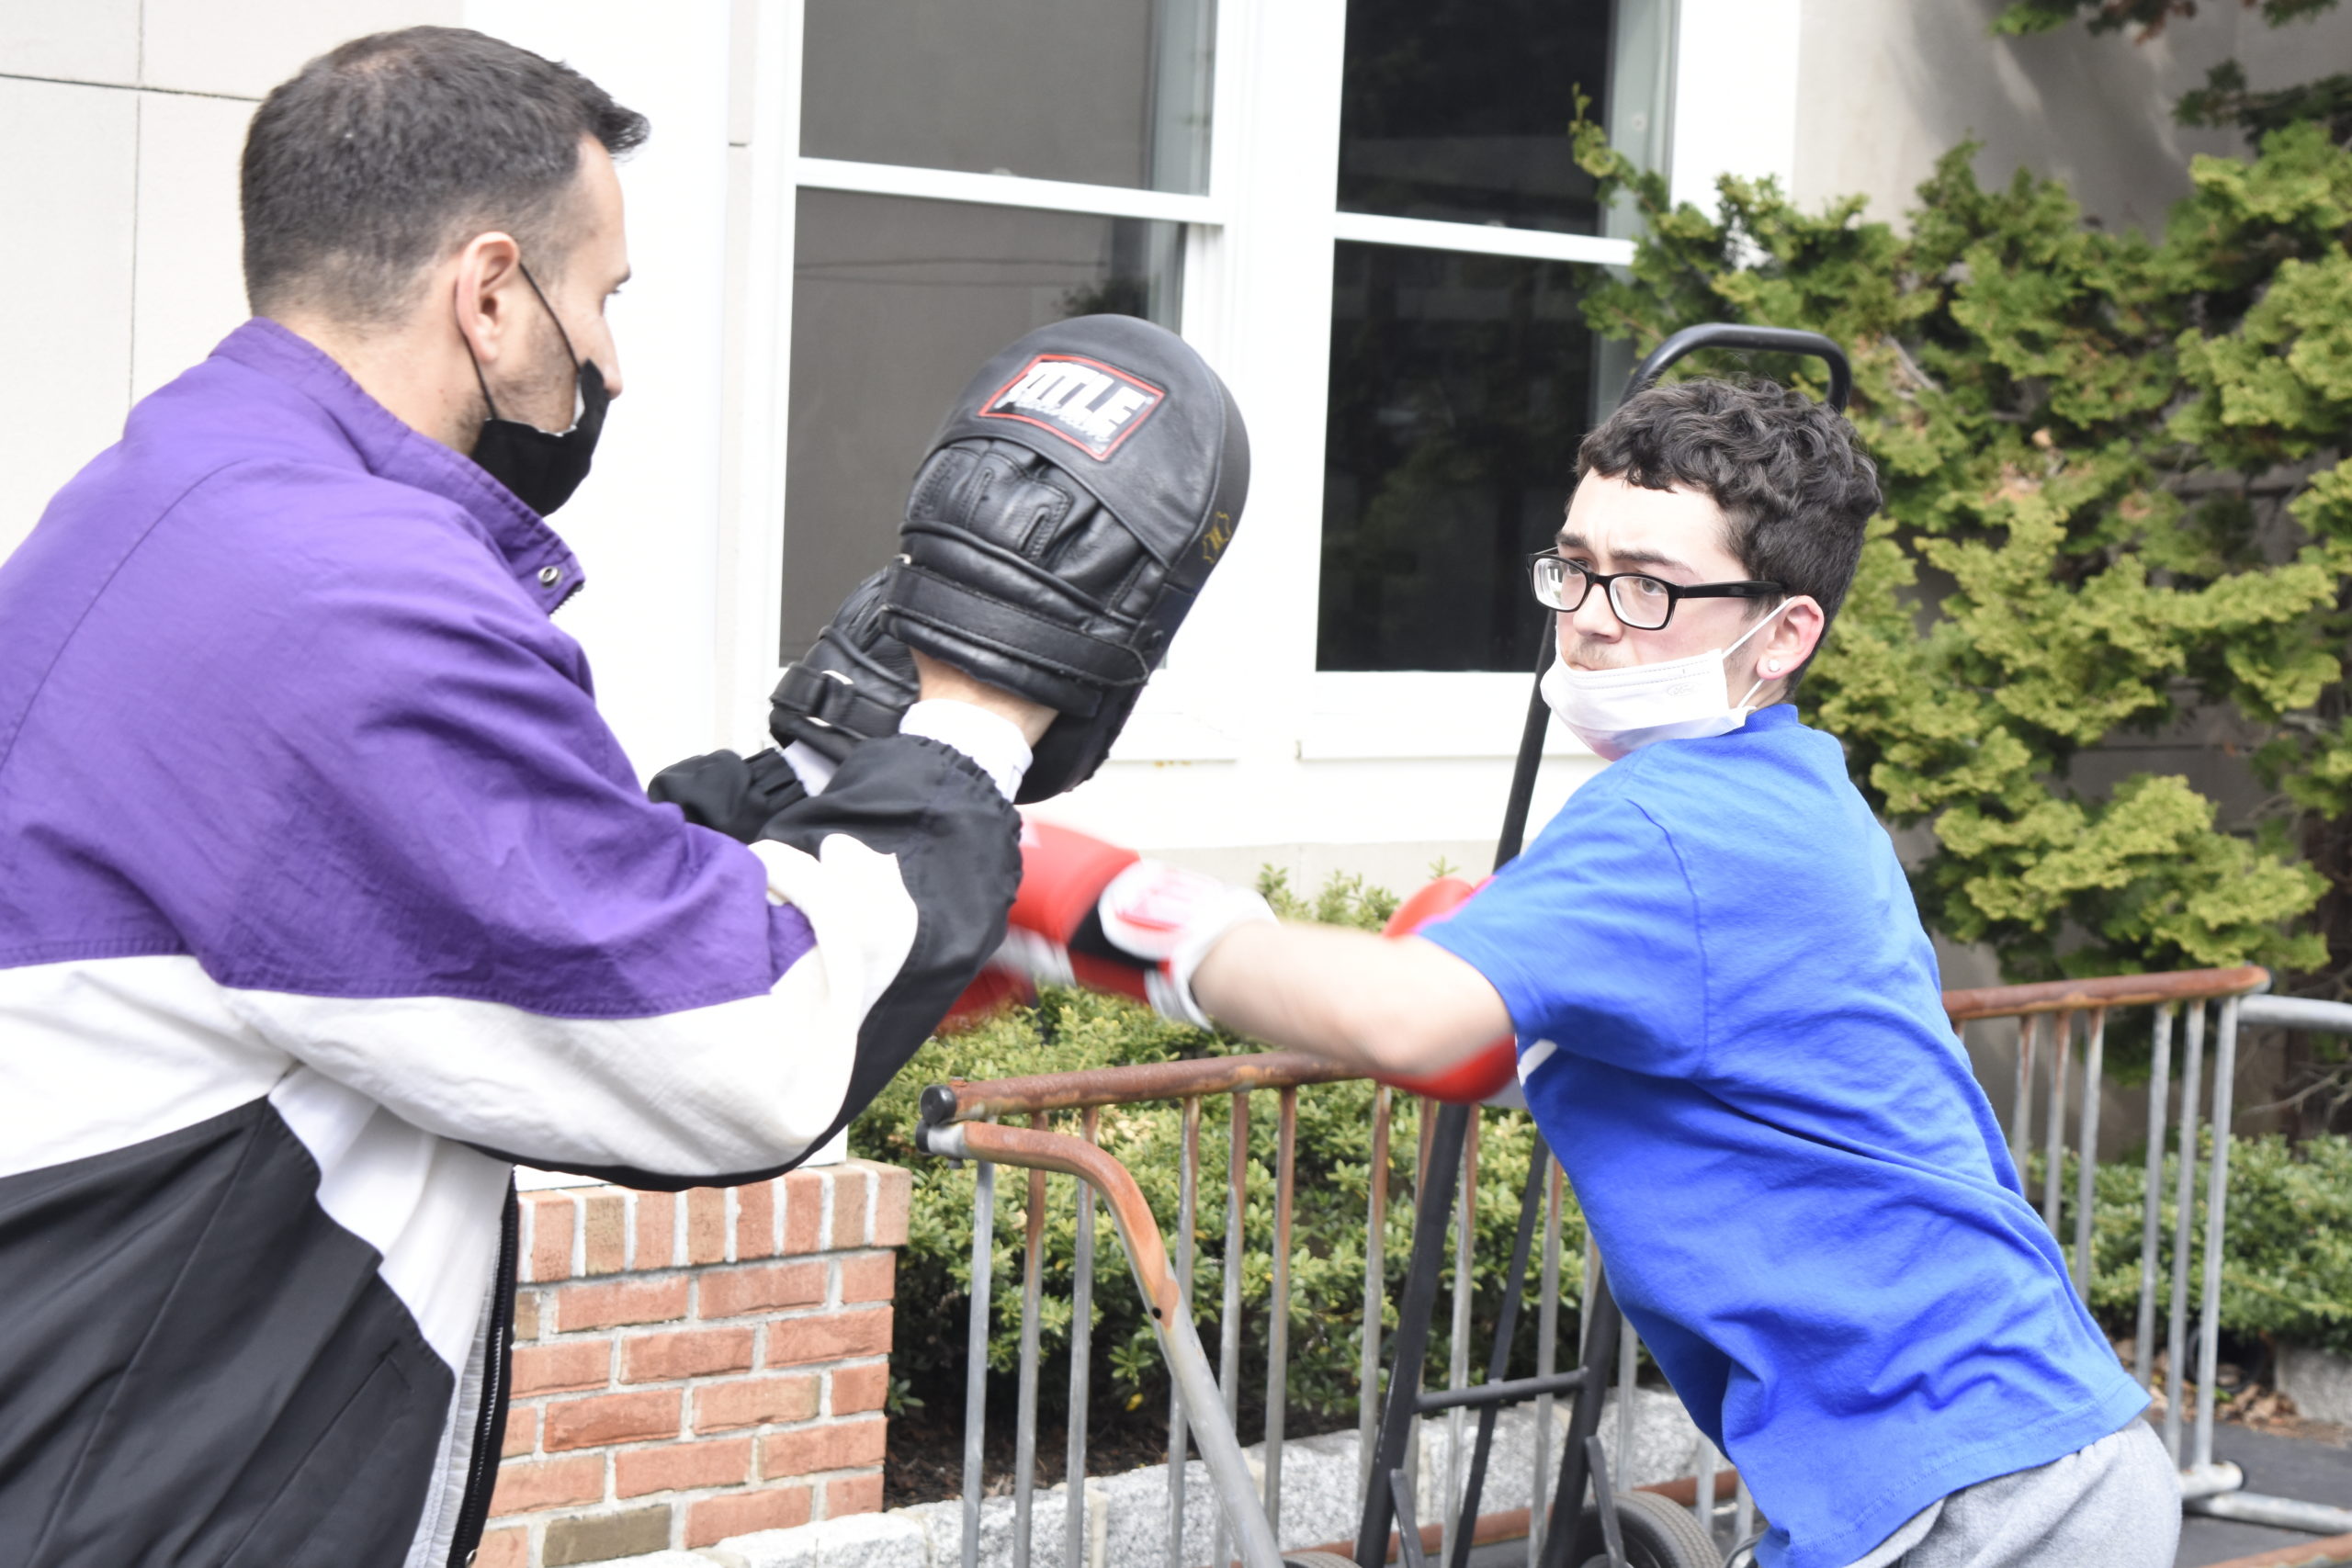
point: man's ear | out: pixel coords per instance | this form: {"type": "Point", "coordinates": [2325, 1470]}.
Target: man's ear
{"type": "Point", "coordinates": [489, 272]}
{"type": "Point", "coordinates": [1787, 643]}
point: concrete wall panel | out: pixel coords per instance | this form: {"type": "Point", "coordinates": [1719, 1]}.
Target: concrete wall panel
{"type": "Point", "coordinates": [64, 286]}
{"type": "Point", "coordinates": [189, 288]}
{"type": "Point", "coordinates": [88, 40]}
{"type": "Point", "coordinates": [244, 49]}
{"type": "Point", "coordinates": [1884, 89]}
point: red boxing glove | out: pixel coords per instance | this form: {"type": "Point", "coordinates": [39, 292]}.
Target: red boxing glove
{"type": "Point", "coordinates": [992, 990]}
{"type": "Point", "coordinates": [1092, 914]}
{"type": "Point", "coordinates": [1479, 1076]}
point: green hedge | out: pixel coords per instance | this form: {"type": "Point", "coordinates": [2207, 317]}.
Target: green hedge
{"type": "Point", "coordinates": [2287, 1273]}
{"type": "Point", "coordinates": [2287, 1262]}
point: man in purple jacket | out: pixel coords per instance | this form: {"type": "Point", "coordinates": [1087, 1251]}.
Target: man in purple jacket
{"type": "Point", "coordinates": [326, 893]}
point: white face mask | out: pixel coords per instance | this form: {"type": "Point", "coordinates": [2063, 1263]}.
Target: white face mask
{"type": "Point", "coordinates": [1618, 711]}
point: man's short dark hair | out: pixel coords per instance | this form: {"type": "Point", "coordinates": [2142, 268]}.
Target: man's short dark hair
{"type": "Point", "coordinates": [1790, 474]}
{"type": "Point", "coordinates": [380, 155]}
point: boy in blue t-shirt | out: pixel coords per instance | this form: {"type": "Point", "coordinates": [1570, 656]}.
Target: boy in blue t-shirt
{"type": "Point", "coordinates": [1728, 1027]}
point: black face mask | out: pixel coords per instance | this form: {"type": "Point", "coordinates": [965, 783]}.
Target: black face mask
{"type": "Point", "coordinates": [543, 466]}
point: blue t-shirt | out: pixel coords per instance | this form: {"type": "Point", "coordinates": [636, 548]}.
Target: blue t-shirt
{"type": "Point", "coordinates": [1730, 1030]}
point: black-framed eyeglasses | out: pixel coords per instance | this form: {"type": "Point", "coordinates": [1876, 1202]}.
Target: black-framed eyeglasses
{"type": "Point", "coordinates": [1644, 602]}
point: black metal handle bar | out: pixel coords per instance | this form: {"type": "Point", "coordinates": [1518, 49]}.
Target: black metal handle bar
{"type": "Point", "coordinates": [1735, 335]}
{"type": "Point", "coordinates": [1502, 1392]}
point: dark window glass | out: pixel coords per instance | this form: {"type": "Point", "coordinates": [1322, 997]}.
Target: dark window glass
{"type": "Point", "coordinates": [1460, 387]}
{"type": "Point", "coordinates": [1102, 92]}
{"type": "Point", "coordinates": [895, 305]}
{"type": "Point", "coordinates": [1459, 109]}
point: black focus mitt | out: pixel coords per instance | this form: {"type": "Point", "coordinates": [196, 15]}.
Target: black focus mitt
{"type": "Point", "coordinates": [1069, 510]}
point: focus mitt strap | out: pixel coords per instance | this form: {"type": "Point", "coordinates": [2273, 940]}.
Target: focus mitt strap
{"type": "Point", "coordinates": [855, 682]}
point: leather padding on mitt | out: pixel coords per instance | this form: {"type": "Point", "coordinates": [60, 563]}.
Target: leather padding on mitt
{"type": "Point", "coordinates": [1084, 486]}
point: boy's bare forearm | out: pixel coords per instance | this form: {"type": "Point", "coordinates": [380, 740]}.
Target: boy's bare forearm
{"type": "Point", "coordinates": [1404, 1007]}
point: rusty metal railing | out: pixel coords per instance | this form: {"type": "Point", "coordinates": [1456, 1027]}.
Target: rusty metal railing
{"type": "Point", "coordinates": [1202, 1408]}
{"type": "Point", "coordinates": [2190, 1008]}
{"type": "Point", "coordinates": [968, 1121]}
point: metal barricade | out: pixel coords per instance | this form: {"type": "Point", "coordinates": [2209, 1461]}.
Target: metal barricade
{"type": "Point", "coordinates": [2056, 1091]}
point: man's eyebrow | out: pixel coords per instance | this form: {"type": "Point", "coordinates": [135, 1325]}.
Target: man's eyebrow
{"type": "Point", "coordinates": [1568, 541]}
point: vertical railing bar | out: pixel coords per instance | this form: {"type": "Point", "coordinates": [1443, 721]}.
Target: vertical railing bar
{"type": "Point", "coordinates": [1482, 1451]}
{"type": "Point", "coordinates": [1426, 1122]}
{"type": "Point", "coordinates": [1025, 1429]}
{"type": "Point", "coordinates": [1408, 1352]}
{"type": "Point", "coordinates": [2192, 1069]}
{"type": "Point", "coordinates": [2021, 1112]}
{"type": "Point", "coordinates": [1457, 1358]}
{"type": "Point", "coordinates": [2217, 1194]}
{"type": "Point", "coordinates": [1547, 1334]}
{"type": "Point", "coordinates": [1375, 1282]}
{"type": "Point", "coordinates": [1188, 1182]}
{"type": "Point", "coordinates": [1278, 1320]}
{"type": "Point", "coordinates": [2143, 1345]}
{"type": "Point", "coordinates": [1584, 1296]}
{"type": "Point", "coordinates": [2087, 1157]}
{"type": "Point", "coordinates": [976, 1353]}
{"type": "Point", "coordinates": [2053, 1154]}
{"type": "Point", "coordinates": [1081, 1350]}
{"type": "Point", "coordinates": [1742, 1520]}
{"type": "Point", "coordinates": [1574, 1474]}
{"type": "Point", "coordinates": [1228, 1350]}
{"type": "Point", "coordinates": [1629, 1364]}
{"type": "Point", "coordinates": [1702, 1496]}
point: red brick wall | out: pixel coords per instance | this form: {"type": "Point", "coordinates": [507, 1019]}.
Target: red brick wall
{"type": "Point", "coordinates": [694, 1365]}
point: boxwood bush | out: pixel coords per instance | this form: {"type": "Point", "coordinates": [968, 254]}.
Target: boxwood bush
{"type": "Point", "coordinates": [2287, 1261]}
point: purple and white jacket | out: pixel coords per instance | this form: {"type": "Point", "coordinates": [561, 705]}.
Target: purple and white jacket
{"type": "Point", "coordinates": [324, 895]}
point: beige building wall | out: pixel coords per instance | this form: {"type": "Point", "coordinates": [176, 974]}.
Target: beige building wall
{"type": "Point", "coordinates": [119, 267]}
{"type": "Point", "coordinates": [1884, 87]}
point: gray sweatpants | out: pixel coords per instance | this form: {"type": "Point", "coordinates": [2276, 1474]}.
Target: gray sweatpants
{"type": "Point", "coordinates": [2113, 1504]}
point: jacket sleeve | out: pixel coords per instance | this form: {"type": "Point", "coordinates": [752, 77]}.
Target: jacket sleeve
{"type": "Point", "coordinates": [726, 792]}
{"type": "Point", "coordinates": [461, 905]}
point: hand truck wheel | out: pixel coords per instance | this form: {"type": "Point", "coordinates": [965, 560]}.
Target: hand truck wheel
{"type": "Point", "coordinates": [1658, 1534]}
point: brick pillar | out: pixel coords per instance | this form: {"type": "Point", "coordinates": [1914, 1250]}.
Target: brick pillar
{"type": "Point", "coordinates": [694, 1365]}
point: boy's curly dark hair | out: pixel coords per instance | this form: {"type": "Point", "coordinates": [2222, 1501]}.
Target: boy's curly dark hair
{"type": "Point", "coordinates": [1791, 475]}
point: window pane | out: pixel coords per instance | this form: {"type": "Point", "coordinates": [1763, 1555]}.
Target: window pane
{"type": "Point", "coordinates": [1460, 387]}
{"type": "Point", "coordinates": [1102, 92]}
{"type": "Point", "coordinates": [895, 305]}
{"type": "Point", "coordinates": [1460, 111]}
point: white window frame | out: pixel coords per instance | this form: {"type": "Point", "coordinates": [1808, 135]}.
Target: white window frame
{"type": "Point", "coordinates": [1241, 741]}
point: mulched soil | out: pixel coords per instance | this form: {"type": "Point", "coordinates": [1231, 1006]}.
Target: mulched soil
{"type": "Point", "coordinates": [925, 1461]}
